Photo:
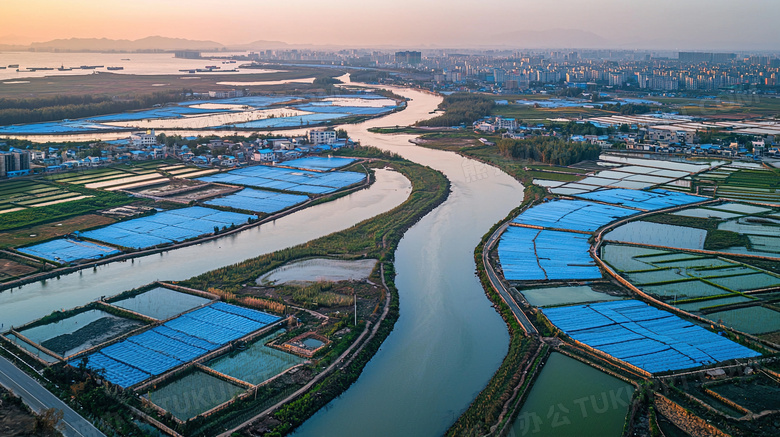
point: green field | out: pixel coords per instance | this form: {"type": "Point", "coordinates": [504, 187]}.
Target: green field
{"type": "Point", "coordinates": [760, 185]}
{"type": "Point", "coordinates": [29, 193]}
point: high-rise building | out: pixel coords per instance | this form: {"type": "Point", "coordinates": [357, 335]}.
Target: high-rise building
{"type": "Point", "coordinates": [14, 163]}
{"type": "Point", "coordinates": [408, 57]}
{"type": "Point", "coordinates": [699, 57]}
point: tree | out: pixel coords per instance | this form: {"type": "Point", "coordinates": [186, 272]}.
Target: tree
{"type": "Point", "coordinates": [49, 421]}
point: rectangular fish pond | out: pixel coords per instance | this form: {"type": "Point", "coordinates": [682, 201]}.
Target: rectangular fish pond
{"type": "Point", "coordinates": [193, 394]}
{"type": "Point", "coordinates": [547, 296]}
{"type": "Point", "coordinates": [752, 320]}
{"type": "Point", "coordinates": [80, 331]}
{"type": "Point", "coordinates": [161, 303]}
{"type": "Point", "coordinates": [257, 363]}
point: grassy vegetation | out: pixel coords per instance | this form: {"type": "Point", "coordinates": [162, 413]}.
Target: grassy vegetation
{"type": "Point", "coordinates": [316, 295]}
{"type": "Point", "coordinates": [28, 235]}
{"type": "Point", "coordinates": [551, 176]}
{"type": "Point", "coordinates": [531, 113]}
{"type": "Point", "coordinates": [58, 107]}
{"type": "Point", "coordinates": [47, 214]}
{"type": "Point", "coordinates": [554, 168]}
{"type": "Point", "coordinates": [548, 150]}
{"type": "Point", "coordinates": [709, 224]}
{"type": "Point", "coordinates": [718, 240]}
{"type": "Point", "coordinates": [111, 84]}
{"type": "Point", "coordinates": [461, 108]}
{"type": "Point", "coordinates": [723, 105]}
{"type": "Point", "coordinates": [767, 179]}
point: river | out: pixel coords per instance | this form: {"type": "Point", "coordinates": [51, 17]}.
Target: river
{"type": "Point", "coordinates": [132, 63]}
{"type": "Point", "coordinates": [448, 340]}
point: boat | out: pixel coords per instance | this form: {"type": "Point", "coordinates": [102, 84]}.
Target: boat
{"type": "Point", "coordinates": [90, 67]}
{"type": "Point", "coordinates": [40, 68]}
{"type": "Point", "coordinates": [125, 59]}
{"type": "Point", "coordinates": [3, 68]}
{"type": "Point", "coordinates": [62, 68]}
{"type": "Point", "coordinates": [13, 65]}
{"type": "Point", "coordinates": [114, 68]}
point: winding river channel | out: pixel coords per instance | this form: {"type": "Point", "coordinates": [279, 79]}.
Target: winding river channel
{"type": "Point", "coordinates": [448, 340]}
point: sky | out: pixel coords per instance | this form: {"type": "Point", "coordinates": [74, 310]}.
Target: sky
{"type": "Point", "coordinates": [663, 24]}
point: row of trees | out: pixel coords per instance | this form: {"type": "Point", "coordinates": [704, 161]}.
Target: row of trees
{"type": "Point", "coordinates": [461, 108]}
{"type": "Point", "coordinates": [38, 109]}
{"type": "Point", "coordinates": [628, 108]}
{"type": "Point", "coordinates": [548, 150]}
{"type": "Point", "coordinates": [574, 128]}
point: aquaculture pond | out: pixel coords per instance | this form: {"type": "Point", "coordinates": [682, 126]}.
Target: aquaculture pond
{"type": "Point", "coordinates": [570, 398]}
{"type": "Point", "coordinates": [756, 393]}
{"type": "Point", "coordinates": [658, 234]}
{"type": "Point", "coordinates": [707, 213]}
{"type": "Point", "coordinates": [742, 208]}
{"type": "Point", "coordinates": [80, 332]}
{"type": "Point", "coordinates": [752, 320]}
{"type": "Point", "coordinates": [755, 281]}
{"type": "Point", "coordinates": [243, 112]}
{"type": "Point", "coordinates": [627, 258]}
{"type": "Point", "coordinates": [681, 276]}
{"type": "Point", "coordinates": [684, 290]}
{"type": "Point", "coordinates": [193, 394]}
{"type": "Point", "coordinates": [320, 269]}
{"type": "Point", "coordinates": [161, 303]}
{"type": "Point", "coordinates": [701, 304]}
{"type": "Point", "coordinates": [257, 363]}
{"type": "Point", "coordinates": [546, 296]}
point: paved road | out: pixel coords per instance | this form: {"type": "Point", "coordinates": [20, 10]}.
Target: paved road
{"type": "Point", "coordinates": [499, 285]}
{"type": "Point", "coordinates": [38, 398]}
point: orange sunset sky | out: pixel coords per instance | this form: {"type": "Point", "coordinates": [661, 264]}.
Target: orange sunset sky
{"type": "Point", "coordinates": [668, 23]}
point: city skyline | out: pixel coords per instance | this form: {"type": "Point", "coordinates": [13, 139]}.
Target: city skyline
{"type": "Point", "coordinates": [663, 25]}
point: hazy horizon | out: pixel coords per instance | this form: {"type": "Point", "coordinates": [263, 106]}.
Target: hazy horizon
{"type": "Point", "coordinates": [663, 24]}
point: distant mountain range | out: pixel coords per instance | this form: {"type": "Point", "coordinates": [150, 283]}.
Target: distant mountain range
{"type": "Point", "coordinates": [151, 43]}
{"type": "Point", "coordinates": [123, 45]}
{"type": "Point", "coordinates": [519, 39]}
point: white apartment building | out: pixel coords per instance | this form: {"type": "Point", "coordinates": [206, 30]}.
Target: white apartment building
{"type": "Point", "coordinates": [322, 136]}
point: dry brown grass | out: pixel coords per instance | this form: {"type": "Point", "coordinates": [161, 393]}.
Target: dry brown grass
{"type": "Point", "coordinates": [21, 237]}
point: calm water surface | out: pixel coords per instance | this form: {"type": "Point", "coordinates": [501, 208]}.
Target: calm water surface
{"type": "Point", "coordinates": [448, 340]}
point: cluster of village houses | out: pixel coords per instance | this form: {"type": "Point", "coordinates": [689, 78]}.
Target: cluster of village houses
{"type": "Point", "coordinates": [145, 146]}
{"type": "Point", "coordinates": [647, 139]}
